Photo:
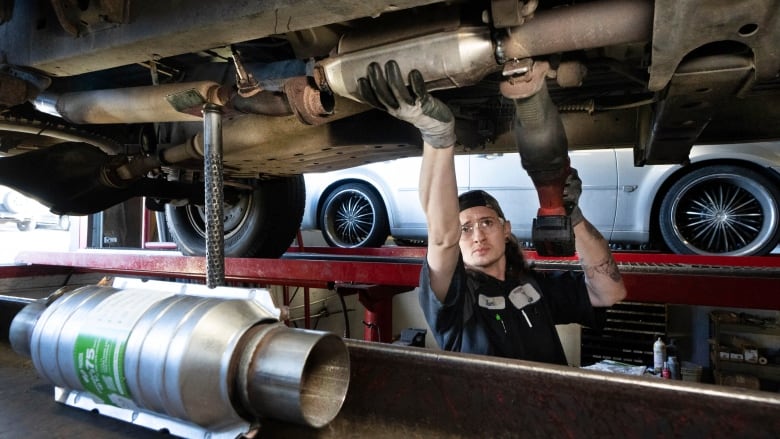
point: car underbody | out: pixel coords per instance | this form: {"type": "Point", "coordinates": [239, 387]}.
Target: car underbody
{"type": "Point", "coordinates": [104, 101]}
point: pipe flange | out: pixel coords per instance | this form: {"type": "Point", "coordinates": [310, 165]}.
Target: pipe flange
{"type": "Point", "coordinates": [309, 104]}
{"type": "Point", "coordinates": [524, 78]}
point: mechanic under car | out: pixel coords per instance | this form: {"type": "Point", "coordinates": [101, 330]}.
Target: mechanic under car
{"type": "Point", "coordinates": [475, 284]}
{"type": "Point", "coordinates": [202, 118]}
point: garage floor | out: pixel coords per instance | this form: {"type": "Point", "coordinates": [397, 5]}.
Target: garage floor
{"type": "Point", "coordinates": [28, 409]}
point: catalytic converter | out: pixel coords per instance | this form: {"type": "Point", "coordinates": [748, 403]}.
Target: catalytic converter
{"type": "Point", "coordinates": [193, 361]}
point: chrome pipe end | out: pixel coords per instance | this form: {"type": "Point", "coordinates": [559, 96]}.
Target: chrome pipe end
{"type": "Point", "coordinates": [298, 376]}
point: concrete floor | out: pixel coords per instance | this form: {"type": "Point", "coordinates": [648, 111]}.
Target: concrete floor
{"type": "Point", "coordinates": [28, 409]}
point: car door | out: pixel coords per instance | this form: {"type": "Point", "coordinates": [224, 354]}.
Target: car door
{"type": "Point", "coordinates": [502, 176]}
{"type": "Point", "coordinates": [398, 180]}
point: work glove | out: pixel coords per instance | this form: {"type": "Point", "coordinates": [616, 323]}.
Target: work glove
{"type": "Point", "coordinates": [571, 197]}
{"type": "Point", "coordinates": [388, 92]}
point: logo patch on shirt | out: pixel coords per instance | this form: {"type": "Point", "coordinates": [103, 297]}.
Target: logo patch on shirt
{"type": "Point", "coordinates": [491, 302]}
{"type": "Point", "coordinates": [524, 295]}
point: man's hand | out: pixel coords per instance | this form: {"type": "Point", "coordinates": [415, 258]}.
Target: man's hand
{"type": "Point", "coordinates": [571, 197]}
{"type": "Point", "coordinates": [388, 92]}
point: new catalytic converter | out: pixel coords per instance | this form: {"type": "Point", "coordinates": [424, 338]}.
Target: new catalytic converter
{"type": "Point", "coordinates": [192, 361]}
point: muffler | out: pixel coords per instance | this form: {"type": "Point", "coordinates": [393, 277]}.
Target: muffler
{"type": "Point", "coordinates": [193, 361]}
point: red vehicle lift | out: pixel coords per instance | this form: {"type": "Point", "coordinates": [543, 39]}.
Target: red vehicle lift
{"type": "Point", "coordinates": [398, 391]}
{"type": "Point", "coordinates": [378, 274]}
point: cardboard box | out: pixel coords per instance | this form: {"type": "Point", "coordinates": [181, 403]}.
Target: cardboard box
{"type": "Point", "coordinates": [740, 380]}
{"type": "Point", "coordinates": [736, 356]}
{"type": "Point", "coordinates": [751, 355]}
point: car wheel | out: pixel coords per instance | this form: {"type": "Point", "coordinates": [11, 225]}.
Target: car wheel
{"type": "Point", "coordinates": [260, 223]}
{"type": "Point", "coordinates": [26, 226]}
{"type": "Point", "coordinates": [64, 222]}
{"type": "Point", "coordinates": [353, 215]}
{"type": "Point", "coordinates": [15, 202]}
{"type": "Point", "coordinates": [721, 210]}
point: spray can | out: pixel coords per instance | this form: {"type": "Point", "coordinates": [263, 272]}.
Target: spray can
{"type": "Point", "coordinates": [659, 355]}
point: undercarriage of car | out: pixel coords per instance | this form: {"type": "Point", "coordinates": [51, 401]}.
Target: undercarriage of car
{"type": "Point", "coordinates": [104, 101]}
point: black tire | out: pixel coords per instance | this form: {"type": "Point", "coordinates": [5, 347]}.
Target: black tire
{"type": "Point", "coordinates": [262, 223]}
{"type": "Point", "coordinates": [352, 216]}
{"type": "Point", "coordinates": [721, 210]}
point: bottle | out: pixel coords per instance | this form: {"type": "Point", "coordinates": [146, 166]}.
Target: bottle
{"type": "Point", "coordinates": [674, 366]}
{"type": "Point", "coordinates": [659, 355]}
{"type": "Point", "coordinates": [665, 373]}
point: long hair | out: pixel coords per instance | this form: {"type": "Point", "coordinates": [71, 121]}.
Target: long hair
{"type": "Point", "coordinates": [516, 264]}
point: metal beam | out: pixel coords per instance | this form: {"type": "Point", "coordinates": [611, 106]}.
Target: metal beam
{"type": "Point", "coordinates": [744, 282]}
{"type": "Point", "coordinates": [414, 392]}
{"type": "Point", "coordinates": [167, 28]}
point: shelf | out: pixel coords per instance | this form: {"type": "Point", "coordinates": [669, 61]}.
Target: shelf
{"type": "Point", "coordinates": [724, 326]}
{"type": "Point", "coordinates": [736, 328]}
{"type": "Point", "coordinates": [765, 372]}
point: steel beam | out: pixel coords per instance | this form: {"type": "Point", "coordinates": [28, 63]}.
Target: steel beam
{"type": "Point", "coordinates": [420, 393]}
{"type": "Point", "coordinates": [166, 28]}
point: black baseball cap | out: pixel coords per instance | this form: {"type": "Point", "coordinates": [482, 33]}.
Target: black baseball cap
{"type": "Point", "coordinates": [478, 197]}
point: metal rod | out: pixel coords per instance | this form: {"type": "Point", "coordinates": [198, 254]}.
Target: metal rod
{"type": "Point", "coordinates": [212, 171]}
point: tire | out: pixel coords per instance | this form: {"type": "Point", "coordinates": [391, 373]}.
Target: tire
{"type": "Point", "coordinates": [26, 226]}
{"type": "Point", "coordinates": [353, 215]}
{"type": "Point", "coordinates": [64, 222]}
{"type": "Point", "coordinates": [15, 202]}
{"type": "Point", "coordinates": [721, 210]}
{"type": "Point", "coordinates": [261, 223]}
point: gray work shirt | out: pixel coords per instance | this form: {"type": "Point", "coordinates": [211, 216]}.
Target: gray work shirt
{"type": "Point", "coordinates": [513, 319]}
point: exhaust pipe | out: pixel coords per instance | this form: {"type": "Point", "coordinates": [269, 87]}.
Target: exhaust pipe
{"type": "Point", "coordinates": [464, 56]}
{"type": "Point", "coordinates": [258, 132]}
{"type": "Point", "coordinates": [130, 105]}
{"type": "Point", "coordinates": [587, 25]}
{"type": "Point", "coordinates": [183, 102]}
{"type": "Point", "coordinates": [215, 360]}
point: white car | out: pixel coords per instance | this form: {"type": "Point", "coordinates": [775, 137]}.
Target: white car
{"type": "Point", "coordinates": [725, 202]}
{"type": "Point", "coordinates": [103, 101]}
{"type": "Point", "coordinates": [27, 213]}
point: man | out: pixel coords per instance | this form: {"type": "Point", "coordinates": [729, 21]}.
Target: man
{"type": "Point", "coordinates": [476, 291]}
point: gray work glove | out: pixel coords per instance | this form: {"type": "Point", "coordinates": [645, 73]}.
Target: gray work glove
{"type": "Point", "coordinates": [430, 115]}
{"type": "Point", "coordinates": [571, 197]}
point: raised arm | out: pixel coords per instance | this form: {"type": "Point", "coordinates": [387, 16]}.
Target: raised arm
{"type": "Point", "coordinates": [438, 188]}
{"type": "Point", "coordinates": [439, 200]}
{"type": "Point", "coordinates": [605, 284]}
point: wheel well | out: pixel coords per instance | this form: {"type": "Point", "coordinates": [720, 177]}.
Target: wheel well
{"type": "Point", "coordinates": [336, 184]}
{"type": "Point", "coordinates": [655, 227]}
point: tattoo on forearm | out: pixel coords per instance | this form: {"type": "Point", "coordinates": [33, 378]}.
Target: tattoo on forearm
{"type": "Point", "coordinates": [607, 268]}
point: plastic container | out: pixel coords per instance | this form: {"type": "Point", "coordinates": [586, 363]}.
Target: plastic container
{"type": "Point", "coordinates": [659, 355]}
